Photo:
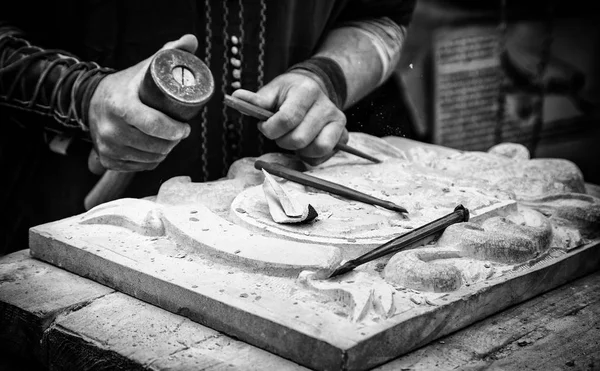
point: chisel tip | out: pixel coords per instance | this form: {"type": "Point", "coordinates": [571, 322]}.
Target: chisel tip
{"type": "Point", "coordinates": [344, 268]}
{"type": "Point", "coordinates": [398, 208]}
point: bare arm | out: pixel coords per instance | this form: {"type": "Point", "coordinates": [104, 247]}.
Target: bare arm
{"type": "Point", "coordinates": [367, 52]}
{"type": "Point", "coordinates": [351, 62]}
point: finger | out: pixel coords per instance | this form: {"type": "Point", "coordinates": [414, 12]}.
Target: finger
{"type": "Point", "coordinates": [320, 114]}
{"type": "Point", "coordinates": [187, 42]}
{"type": "Point", "coordinates": [119, 134]}
{"type": "Point", "coordinates": [323, 145]}
{"type": "Point", "coordinates": [315, 161]}
{"type": "Point", "coordinates": [126, 166]}
{"type": "Point", "coordinates": [265, 98]}
{"type": "Point", "coordinates": [125, 142]}
{"type": "Point", "coordinates": [153, 146]}
{"type": "Point", "coordinates": [133, 138]}
{"type": "Point", "coordinates": [120, 152]}
{"type": "Point", "coordinates": [290, 115]}
{"type": "Point", "coordinates": [135, 155]}
{"type": "Point", "coordinates": [156, 124]}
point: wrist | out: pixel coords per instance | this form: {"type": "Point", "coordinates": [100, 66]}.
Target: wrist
{"type": "Point", "coordinates": [88, 94]}
{"type": "Point", "coordinates": [328, 74]}
{"type": "Point", "coordinates": [316, 78]}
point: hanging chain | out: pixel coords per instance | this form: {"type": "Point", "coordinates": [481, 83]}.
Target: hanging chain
{"type": "Point", "coordinates": [204, 123]}
{"type": "Point", "coordinates": [240, 121]}
{"type": "Point", "coordinates": [261, 61]}
{"type": "Point", "coordinates": [224, 84]}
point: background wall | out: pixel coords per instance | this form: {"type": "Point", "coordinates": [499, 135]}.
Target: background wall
{"type": "Point", "coordinates": [548, 86]}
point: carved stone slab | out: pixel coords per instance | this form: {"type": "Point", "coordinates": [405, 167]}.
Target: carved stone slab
{"type": "Point", "coordinates": [210, 252]}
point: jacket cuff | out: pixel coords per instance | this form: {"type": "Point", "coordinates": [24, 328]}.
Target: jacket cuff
{"type": "Point", "coordinates": [47, 82]}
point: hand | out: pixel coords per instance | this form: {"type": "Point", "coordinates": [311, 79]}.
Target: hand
{"type": "Point", "coordinates": [305, 121]}
{"type": "Point", "coordinates": [128, 135]}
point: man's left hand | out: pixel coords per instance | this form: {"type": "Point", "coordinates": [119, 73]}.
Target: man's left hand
{"type": "Point", "coordinates": [305, 120]}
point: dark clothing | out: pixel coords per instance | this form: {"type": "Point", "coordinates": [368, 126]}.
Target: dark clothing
{"type": "Point", "coordinates": [271, 36]}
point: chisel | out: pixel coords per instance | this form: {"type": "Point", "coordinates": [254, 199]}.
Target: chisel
{"type": "Point", "coordinates": [325, 185]}
{"type": "Point", "coordinates": [459, 215]}
{"type": "Point", "coordinates": [262, 114]}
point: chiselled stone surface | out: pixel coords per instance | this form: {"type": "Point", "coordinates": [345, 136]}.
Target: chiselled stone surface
{"type": "Point", "coordinates": [212, 252]}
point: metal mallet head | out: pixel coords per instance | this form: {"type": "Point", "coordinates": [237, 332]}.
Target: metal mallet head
{"type": "Point", "coordinates": [177, 83]}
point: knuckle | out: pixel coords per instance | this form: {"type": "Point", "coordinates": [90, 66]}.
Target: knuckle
{"type": "Point", "coordinates": [266, 131]}
{"type": "Point", "coordinates": [291, 118]}
{"type": "Point", "coordinates": [321, 146]}
{"type": "Point", "coordinates": [167, 129]}
{"type": "Point", "coordinates": [310, 85]}
{"type": "Point", "coordinates": [285, 144]}
{"type": "Point", "coordinates": [150, 125]}
{"type": "Point", "coordinates": [103, 150]}
{"type": "Point", "coordinates": [118, 110]}
{"type": "Point", "coordinates": [299, 141]}
{"type": "Point", "coordinates": [104, 130]}
{"type": "Point", "coordinates": [321, 149]}
{"type": "Point", "coordinates": [106, 163]}
{"type": "Point", "coordinates": [332, 110]}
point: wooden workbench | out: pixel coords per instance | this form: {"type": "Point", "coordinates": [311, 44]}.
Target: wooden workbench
{"type": "Point", "coordinates": [67, 322]}
{"type": "Point", "coordinates": [53, 319]}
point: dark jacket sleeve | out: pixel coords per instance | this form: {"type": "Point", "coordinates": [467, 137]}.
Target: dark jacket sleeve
{"type": "Point", "coordinates": [399, 11]}
{"type": "Point", "coordinates": [49, 83]}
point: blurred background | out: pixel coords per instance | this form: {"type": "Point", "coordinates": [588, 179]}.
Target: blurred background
{"type": "Point", "coordinates": [477, 73]}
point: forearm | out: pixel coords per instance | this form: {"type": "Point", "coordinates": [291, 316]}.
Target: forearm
{"type": "Point", "coordinates": [367, 53]}
{"type": "Point", "coordinates": [46, 82]}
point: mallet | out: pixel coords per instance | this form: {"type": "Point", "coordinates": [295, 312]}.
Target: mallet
{"type": "Point", "coordinates": [176, 83]}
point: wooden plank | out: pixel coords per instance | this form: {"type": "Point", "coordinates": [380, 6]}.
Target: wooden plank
{"type": "Point", "coordinates": [564, 321]}
{"type": "Point", "coordinates": [51, 312]}
{"type": "Point", "coordinates": [120, 332]}
{"type": "Point", "coordinates": [557, 330]}
{"type": "Point", "coordinates": [31, 299]}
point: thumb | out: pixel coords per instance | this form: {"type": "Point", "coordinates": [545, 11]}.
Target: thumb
{"type": "Point", "coordinates": [187, 42]}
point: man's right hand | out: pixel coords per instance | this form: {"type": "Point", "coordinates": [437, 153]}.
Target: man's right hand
{"type": "Point", "coordinates": [127, 134]}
